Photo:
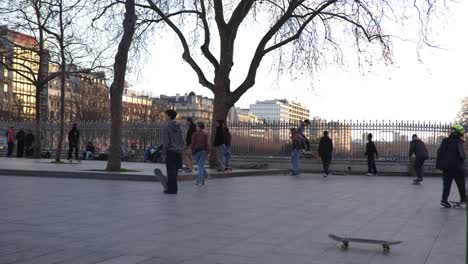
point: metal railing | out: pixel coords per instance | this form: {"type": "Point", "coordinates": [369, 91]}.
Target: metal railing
{"type": "Point", "coordinates": [266, 139]}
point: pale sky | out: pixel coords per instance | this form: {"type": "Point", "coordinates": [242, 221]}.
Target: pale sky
{"type": "Point", "coordinates": [430, 90]}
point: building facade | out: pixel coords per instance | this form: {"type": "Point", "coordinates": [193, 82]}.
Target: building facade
{"type": "Point", "coordinates": [200, 108]}
{"type": "Point", "coordinates": [19, 64]}
{"type": "Point", "coordinates": [279, 111]}
{"type": "Point", "coordinates": [237, 114]}
{"type": "Point", "coordinates": [138, 108]}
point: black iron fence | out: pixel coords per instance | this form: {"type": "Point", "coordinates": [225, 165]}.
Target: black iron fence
{"type": "Point", "coordinates": [266, 139]}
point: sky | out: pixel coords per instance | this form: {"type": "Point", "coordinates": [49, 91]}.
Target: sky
{"type": "Point", "coordinates": [429, 89]}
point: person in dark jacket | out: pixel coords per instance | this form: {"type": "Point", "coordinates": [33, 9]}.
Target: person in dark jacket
{"type": "Point", "coordinates": [227, 148]}
{"type": "Point", "coordinates": [187, 155]}
{"type": "Point", "coordinates": [20, 136]}
{"type": "Point", "coordinates": [218, 145]}
{"type": "Point", "coordinates": [89, 151]}
{"type": "Point", "coordinates": [173, 145]}
{"type": "Point", "coordinates": [418, 148]}
{"type": "Point", "coordinates": [73, 142]}
{"type": "Point", "coordinates": [450, 159]}
{"type": "Point", "coordinates": [325, 150]}
{"type": "Point", "coordinates": [200, 149]}
{"type": "Point", "coordinates": [28, 143]}
{"type": "Point", "coordinates": [371, 154]}
{"type": "Point", "coordinates": [301, 130]}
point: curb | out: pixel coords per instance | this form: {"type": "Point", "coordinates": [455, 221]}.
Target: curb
{"type": "Point", "coordinates": [127, 177]}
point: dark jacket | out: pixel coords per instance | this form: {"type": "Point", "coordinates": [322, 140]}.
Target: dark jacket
{"type": "Point", "coordinates": [171, 137]}
{"type": "Point", "coordinates": [190, 131]}
{"type": "Point", "coordinates": [90, 148]}
{"type": "Point", "coordinates": [199, 141]}
{"type": "Point", "coordinates": [20, 136]}
{"type": "Point", "coordinates": [371, 150]}
{"type": "Point", "coordinates": [418, 148]}
{"type": "Point", "coordinates": [451, 155]}
{"type": "Point", "coordinates": [227, 137]}
{"type": "Point", "coordinates": [74, 136]}
{"type": "Point", "coordinates": [219, 136]}
{"type": "Point", "coordinates": [29, 139]}
{"type": "Point", "coordinates": [325, 148]}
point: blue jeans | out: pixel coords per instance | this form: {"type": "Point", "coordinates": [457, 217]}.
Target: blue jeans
{"type": "Point", "coordinates": [200, 157]}
{"type": "Point", "coordinates": [227, 156]}
{"type": "Point", "coordinates": [295, 155]}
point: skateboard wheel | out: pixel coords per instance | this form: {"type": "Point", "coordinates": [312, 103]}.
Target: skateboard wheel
{"type": "Point", "coordinates": [345, 245]}
{"type": "Point", "coordinates": [386, 247]}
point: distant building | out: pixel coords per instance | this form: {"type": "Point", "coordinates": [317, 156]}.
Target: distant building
{"type": "Point", "coordinates": [136, 107]}
{"type": "Point", "coordinates": [279, 111]}
{"type": "Point", "coordinates": [200, 108]}
{"type": "Point", "coordinates": [17, 93]}
{"type": "Point", "coordinates": [237, 114]}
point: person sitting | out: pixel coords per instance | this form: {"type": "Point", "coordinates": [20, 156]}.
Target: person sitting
{"type": "Point", "coordinates": [88, 154]}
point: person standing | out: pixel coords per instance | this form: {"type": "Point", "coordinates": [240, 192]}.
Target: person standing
{"type": "Point", "coordinates": [218, 145]}
{"type": "Point", "coordinates": [227, 148]}
{"type": "Point", "coordinates": [28, 143]}
{"type": "Point", "coordinates": [20, 145]}
{"type": "Point", "coordinates": [297, 146]}
{"type": "Point", "coordinates": [10, 135]}
{"type": "Point", "coordinates": [73, 142]}
{"type": "Point", "coordinates": [325, 151]}
{"type": "Point", "coordinates": [418, 148]}
{"type": "Point", "coordinates": [200, 149]}
{"type": "Point", "coordinates": [450, 159]}
{"type": "Point", "coordinates": [173, 145]}
{"type": "Point", "coordinates": [187, 155]}
{"type": "Point", "coordinates": [371, 154]}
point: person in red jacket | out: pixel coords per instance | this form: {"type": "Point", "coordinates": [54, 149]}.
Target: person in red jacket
{"type": "Point", "coordinates": [10, 135]}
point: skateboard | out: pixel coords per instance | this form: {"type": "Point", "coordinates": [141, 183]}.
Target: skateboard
{"type": "Point", "coordinates": [345, 242]}
{"type": "Point", "coordinates": [457, 204]}
{"type": "Point", "coordinates": [161, 178]}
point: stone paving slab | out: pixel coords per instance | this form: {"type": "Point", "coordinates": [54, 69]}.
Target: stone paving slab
{"type": "Point", "coordinates": [235, 220]}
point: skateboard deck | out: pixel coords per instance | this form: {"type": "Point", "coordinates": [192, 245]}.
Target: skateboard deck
{"type": "Point", "coordinates": [161, 178]}
{"type": "Point", "coordinates": [457, 204]}
{"type": "Point", "coordinates": [345, 241]}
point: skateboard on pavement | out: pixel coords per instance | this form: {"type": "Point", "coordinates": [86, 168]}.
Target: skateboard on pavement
{"type": "Point", "coordinates": [161, 178]}
{"type": "Point", "coordinates": [345, 242]}
{"type": "Point", "coordinates": [457, 204]}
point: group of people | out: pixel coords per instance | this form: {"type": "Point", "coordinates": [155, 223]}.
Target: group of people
{"type": "Point", "coordinates": [450, 157]}
{"type": "Point", "coordinates": [180, 154]}
{"type": "Point", "coordinates": [24, 142]}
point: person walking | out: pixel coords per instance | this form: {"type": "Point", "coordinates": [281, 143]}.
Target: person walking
{"type": "Point", "coordinates": [297, 146]}
{"type": "Point", "coordinates": [28, 143]}
{"type": "Point", "coordinates": [418, 148]}
{"type": "Point", "coordinates": [200, 149]}
{"type": "Point", "coordinates": [73, 142]}
{"type": "Point", "coordinates": [173, 145]}
{"type": "Point", "coordinates": [450, 159]}
{"type": "Point", "coordinates": [371, 154]}
{"type": "Point", "coordinates": [218, 145]}
{"type": "Point", "coordinates": [187, 154]}
{"type": "Point", "coordinates": [20, 143]}
{"type": "Point", "coordinates": [227, 148]}
{"type": "Point", "coordinates": [10, 135]}
{"type": "Point", "coordinates": [325, 151]}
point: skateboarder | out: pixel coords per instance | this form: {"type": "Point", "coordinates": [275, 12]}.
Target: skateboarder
{"type": "Point", "coordinates": [73, 142]}
{"type": "Point", "coordinates": [325, 151]}
{"type": "Point", "coordinates": [173, 145]}
{"type": "Point", "coordinates": [200, 149]}
{"type": "Point", "coordinates": [450, 159]}
{"type": "Point", "coordinates": [297, 145]}
{"type": "Point", "coordinates": [301, 130]}
{"type": "Point", "coordinates": [418, 148]}
{"type": "Point", "coordinates": [371, 154]}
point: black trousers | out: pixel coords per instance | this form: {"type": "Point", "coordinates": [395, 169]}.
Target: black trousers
{"type": "Point", "coordinates": [72, 147]}
{"type": "Point", "coordinates": [173, 164]}
{"type": "Point", "coordinates": [418, 166]}
{"type": "Point", "coordinates": [459, 176]}
{"type": "Point", "coordinates": [326, 160]}
{"type": "Point", "coordinates": [371, 167]}
{"type": "Point", "coordinates": [20, 149]}
{"type": "Point", "coordinates": [10, 149]}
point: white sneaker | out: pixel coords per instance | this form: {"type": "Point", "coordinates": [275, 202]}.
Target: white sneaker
{"type": "Point", "coordinates": [369, 174]}
{"type": "Point", "coordinates": [324, 175]}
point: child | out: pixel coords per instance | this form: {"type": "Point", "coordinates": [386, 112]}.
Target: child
{"type": "Point", "coordinates": [297, 146]}
{"type": "Point", "coordinates": [371, 154]}
{"type": "Point", "coordinates": [200, 150]}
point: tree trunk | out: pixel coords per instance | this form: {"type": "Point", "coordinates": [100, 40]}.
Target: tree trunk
{"type": "Point", "coordinates": [63, 77]}
{"type": "Point", "coordinates": [221, 106]}
{"type": "Point", "coordinates": [117, 87]}
{"type": "Point", "coordinates": [37, 129]}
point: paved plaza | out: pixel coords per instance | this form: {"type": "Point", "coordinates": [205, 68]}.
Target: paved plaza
{"type": "Point", "coordinates": [275, 219]}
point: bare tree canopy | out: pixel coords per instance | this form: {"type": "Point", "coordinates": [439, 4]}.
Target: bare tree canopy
{"type": "Point", "coordinates": [463, 114]}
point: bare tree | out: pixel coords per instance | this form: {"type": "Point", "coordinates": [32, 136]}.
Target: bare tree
{"type": "Point", "coordinates": [302, 33]}
{"type": "Point", "coordinates": [117, 86]}
{"type": "Point", "coordinates": [463, 114]}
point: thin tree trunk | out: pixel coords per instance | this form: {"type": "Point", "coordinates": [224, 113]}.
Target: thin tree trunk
{"type": "Point", "coordinates": [117, 87]}
{"type": "Point", "coordinates": [63, 77]}
{"type": "Point", "coordinates": [221, 107]}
